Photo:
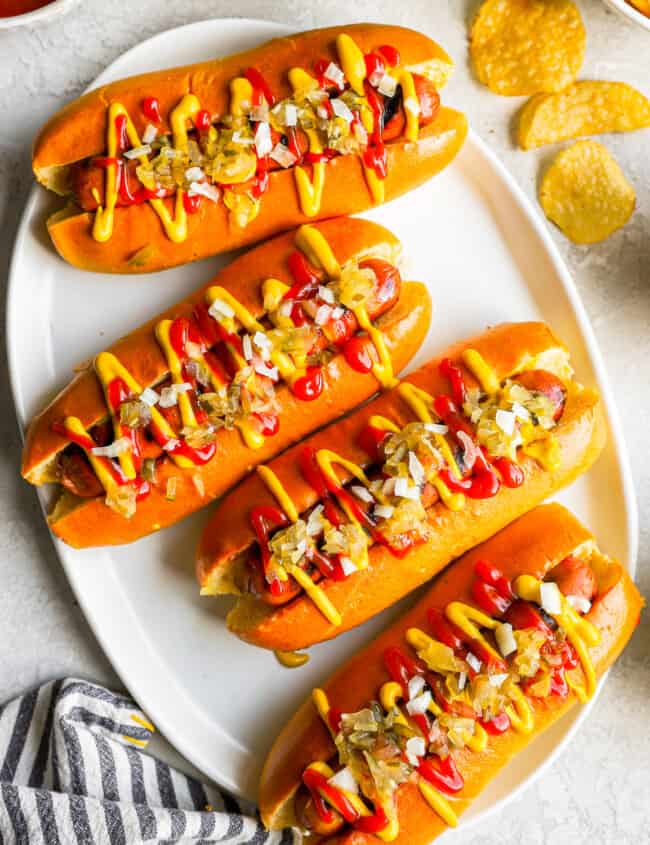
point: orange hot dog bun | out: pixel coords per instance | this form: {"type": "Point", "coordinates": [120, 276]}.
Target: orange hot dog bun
{"type": "Point", "coordinates": [138, 242]}
{"type": "Point", "coordinates": [508, 348]}
{"type": "Point", "coordinates": [91, 522]}
{"type": "Point", "coordinates": [533, 545]}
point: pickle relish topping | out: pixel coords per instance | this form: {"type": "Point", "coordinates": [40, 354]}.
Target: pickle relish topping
{"type": "Point", "coordinates": [455, 693]}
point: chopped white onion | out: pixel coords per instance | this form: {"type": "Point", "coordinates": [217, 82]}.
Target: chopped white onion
{"type": "Point", "coordinates": [338, 312]}
{"type": "Point", "coordinates": [520, 412]}
{"type": "Point", "coordinates": [347, 566]}
{"type": "Point", "coordinates": [340, 109]}
{"type": "Point", "coordinates": [436, 428]}
{"type": "Point", "coordinates": [194, 174]}
{"type": "Point", "coordinates": [150, 133]}
{"type": "Point", "coordinates": [419, 705]}
{"type": "Point", "coordinates": [497, 680]}
{"type": "Point", "coordinates": [388, 487]}
{"type": "Point", "coordinates": [505, 638]}
{"type": "Point", "coordinates": [462, 680]}
{"type": "Point", "coordinates": [323, 315]}
{"type": "Point", "coordinates": [149, 397]}
{"type": "Point", "coordinates": [334, 73]}
{"type": "Point", "coordinates": [505, 420]}
{"type": "Point", "coordinates": [286, 308]}
{"type": "Point", "coordinates": [550, 597]}
{"type": "Point", "coordinates": [415, 748]}
{"type": "Point", "coordinates": [579, 603]}
{"type": "Point", "coordinates": [326, 294]}
{"type": "Point", "coordinates": [416, 686]}
{"type": "Point", "coordinates": [322, 112]}
{"type": "Point", "coordinates": [315, 521]}
{"type": "Point", "coordinates": [136, 152]}
{"type": "Point", "coordinates": [263, 141]}
{"type": "Point", "coordinates": [263, 369]}
{"type": "Point", "coordinates": [387, 85]}
{"type": "Point", "coordinates": [220, 309]}
{"type": "Point", "coordinates": [416, 469]}
{"type": "Point", "coordinates": [473, 662]}
{"type": "Point", "coordinates": [344, 779]}
{"type": "Point", "coordinates": [169, 395]}
{"type": "Point", "coordinates": [470, 450]}
{"type": "Point", "coordinates": [362, 493]}
{"type": "Point", "coordinates": [290, 115]}
{"type": "Point", "coordinates": [262, 342]}
{"type": "Point", "coordinates": [384, 511]}
{"type": "Point", "coordinates": [204, 189]}
{"type": "Point", "coordinates": [239, 138]}
{"type": "Point", "coordinates": [247, 347]}
{"type": "Point", "coordinates": [405, 490]}
{"type": "Point", "coordinates": [283, 155]}
{"type": "Point", "coordinates": [113, 450]}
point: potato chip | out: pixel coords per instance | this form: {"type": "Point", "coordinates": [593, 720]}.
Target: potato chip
{"type": "Point", "coordinates": [584, 108]}
{"type": "Point", "coordinates": [527, 46]}
{"type": "Point", "coordinates": [586, 194]}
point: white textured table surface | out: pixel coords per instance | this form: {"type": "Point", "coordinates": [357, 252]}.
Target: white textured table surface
{"type": "Point", "coordinates": [597, 793]}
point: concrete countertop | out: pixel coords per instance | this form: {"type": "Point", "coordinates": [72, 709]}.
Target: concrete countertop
{"type": "Point", "coordinates": [597, 793]}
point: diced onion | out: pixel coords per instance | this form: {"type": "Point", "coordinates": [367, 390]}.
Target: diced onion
{"type": "Point", "coordinates": [419, 705]}
{"type": "Point", "coordinates": [169, 395]}
{"type": "Point", "coordinates": [194, 174]}
{"type": "Point", "coordinates": [362, 493]}
{"type": "Point", "coordinates": [384, 511]}
{"type": "Point", "coordinates": [505, 420]}
{"type": "Point", "coordinates": [579, 603]}
{"type": "Point", "coordinates": [263, 369]}
{"type": "Point", "coordinates": [348, 566]}
{"type": "Point", "coordinates": [416, 469]}
{"type": "Point", "coordinates": [462, 680]}
{"type": "Point", "coordinates": [473, 662]}
{"type": "Point", "coordinates": [338, 312]}
{"type": "Point", "coordinates": [240, 138]}
{"type": "Point", "coordinates": [344, 779]}
{"type": "Point", "coordinates": [387, 85]}
{"type": "Point", "coordinates": [136, 152]}
{"type": "Point", "coordinates": [550, 597]}
{"type": "Point", "coordinates": [283, 155]}
{"type": "Point", "coordinates": [263, 141]}
{"type": "Point", "coordinates": [323, 315]}
{"type": "Point", "coordinates": [416, 746]}
{"type": "Point", "coordinates": [405, 490]}
{"type": "Point", "coordinates": [334, 73]}
{"type": "Point", "coordinates": [315, 521]}
{"type": "Point", "coordinates": [497, 680]}
{"type": "Point", "coordinates": [259, 113]}
{"type": "Point", "coordinates": [436, 428]}
{"type": "Point", "coordinates": [340, 109]}
{"type": "Point", "coordinates": [149, 397]}
{"type": "Point", "coordinates": [247, 347]}
{"type": "Point", "coordinates": [520, 411]}
{"type": "Point", "coordinates": [220, 309]}
{"type": "Point", "coordinates": [416, 686]}
{"type": "Point", "coordinates": [262, 342]}
{"type": "Point", "coordinates": [290, 115]}
{"type": "Point", "coordinates": [113, 450]}
{"type": "Point", "coordinates": [326, 294]}
{"type": "Point", "coordinates": [505, 639]}
{"type": "Point", "coordinates": [204, 189]}
{"type": "Point", "coordinates": [150, 134]}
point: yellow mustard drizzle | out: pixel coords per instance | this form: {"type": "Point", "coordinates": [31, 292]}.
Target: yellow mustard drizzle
{"type": "Point", "coordinates": [107, 368]}
{"type": "Point", "coordinates": [546, 452]}
{"type": "Point", "coordinates": [241, 96]}
{"type": "Point", "coordinates": [481, 370]}
{"type": "Point", "coordinates": [107, 481]}
{"type": "Point", "coordinates": [581, 633]}
{"type": "Point", "coordinates": [383, 424]}
{"type": "Point", "coordinates": [176, 370]}
{"type": "Point", "coordinates": [315, 593]}
{"type": "Point", "coordinates": [106, 372]}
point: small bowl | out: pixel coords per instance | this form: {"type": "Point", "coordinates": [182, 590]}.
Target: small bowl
{"type": "Point", "coordinates": [628, 11]}
{"type": "Point", "coordinates": [45, 13]}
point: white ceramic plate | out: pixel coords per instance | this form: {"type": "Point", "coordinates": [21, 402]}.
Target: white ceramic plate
{"type": "Point", "coordinates": [472, 235]}
{"type": "Point", "coordinates": [626, 10]}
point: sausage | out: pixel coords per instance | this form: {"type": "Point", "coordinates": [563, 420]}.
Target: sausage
{"type": "Point", "coordinates": [308, 818]}
{"type": "Point", "coordinates": [550, 385]}
{"type": "Point", "coordinates": [77, 476]}
{"type": "Point", "coordinates": [394, 117]}
{"type": "Point", "coordinates": [575, 578]}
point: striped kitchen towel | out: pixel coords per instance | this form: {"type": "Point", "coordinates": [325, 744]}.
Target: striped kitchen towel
{"type": "Point", "coordinates": [74, 771]}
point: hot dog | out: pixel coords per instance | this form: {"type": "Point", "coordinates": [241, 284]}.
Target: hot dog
{"type": "Point", "coordinates": [169, 167]}
{"type": "Point", "coordinates": [175, 413]}
{"type": "Point", "coordinates": [346, 523]}
{"type": "Point", "coordinates": [428, 714]}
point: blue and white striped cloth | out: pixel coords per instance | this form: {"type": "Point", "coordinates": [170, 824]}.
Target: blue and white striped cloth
{"type": "Point", "coordinates": [73, 771]}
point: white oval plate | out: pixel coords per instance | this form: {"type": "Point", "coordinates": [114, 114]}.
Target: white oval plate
{"type": "Point", "coordinates": [473, 236]}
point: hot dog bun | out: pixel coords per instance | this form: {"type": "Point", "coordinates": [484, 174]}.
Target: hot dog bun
{"type": "Point", "coordinates": [138, 242]}
{"type": "Point", "coordinates": [508, 348]}
{"type": "Point", "coordinates": [89, 522]}
{"type": "Point", "coordinates": [533, 545]}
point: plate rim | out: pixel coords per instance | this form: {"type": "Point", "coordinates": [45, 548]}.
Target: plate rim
{"type": "Point", "coordinates": [538, 227]}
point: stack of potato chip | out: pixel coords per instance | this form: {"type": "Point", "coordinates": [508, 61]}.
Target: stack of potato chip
{"type": "Point", "coordinates": [536, 48]}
